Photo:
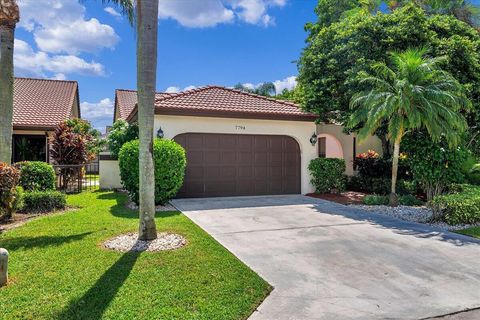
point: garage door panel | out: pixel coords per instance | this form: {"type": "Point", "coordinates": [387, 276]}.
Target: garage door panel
{"type": "Point", "coordinates": [234, 165]}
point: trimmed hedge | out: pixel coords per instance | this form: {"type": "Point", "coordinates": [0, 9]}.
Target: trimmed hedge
{"type": "Point", "coordinates": [169, 161]}
{"type": "Point", "coordinates": [378, 200]}
{"type": "Point", "coordinates": [36, 176]}
{"type": "Point", "coordinates": [43, 201]}
{"type": "Point", "coordinates": [460, 207]}
{"type": "Point", "coordinates": [328, 174]}
{"type": "Point", "coordinates": [380, 186]}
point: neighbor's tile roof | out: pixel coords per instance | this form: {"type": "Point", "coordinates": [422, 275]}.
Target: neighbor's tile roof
{"type": "Point", "coordinates": [218, 101]}
{"type": "Point", "coordinates": [125, 101]}
{"type": "Point", "coordinates": [41, 103]}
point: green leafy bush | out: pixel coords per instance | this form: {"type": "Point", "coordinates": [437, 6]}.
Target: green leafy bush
{"type": "Point", "coordinates": [9, 176]}
{"type": "Point", "coordinates": [410, 200]}
{"type": "Point", "coordinates": [378, 200]}
{"type": "Point", "coordinates": [380, 186]}
{"type": "Point", "coordinates": [36, 175]}
{"type": "Point", "coordinates": [170, 162]}
{"type": "Point", "coordinates": [328, 174]}
{"type": "Point", "coordinates": [434, 166]}
{"type": "Point", "coordinates": [473, 175]}
{"type": "Point", "coordinates": [121, 133]}
{"type": "Point", "coordinates": [43, 201]}
{"type": "Point", "coordinates": [460, 207]}
{"type": "Point", "coordinates": [375, 200]}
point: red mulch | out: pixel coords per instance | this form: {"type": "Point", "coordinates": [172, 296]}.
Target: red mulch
{"type": "Point", "coordinates": [348, 197]}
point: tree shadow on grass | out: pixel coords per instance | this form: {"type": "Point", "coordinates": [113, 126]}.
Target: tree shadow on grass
{"type": "Point", "coordinates": [95, 301]}
{"type": "Point", "coordinates": [120, 210]}
{"type": "Point", "coordinates": [40, 242]}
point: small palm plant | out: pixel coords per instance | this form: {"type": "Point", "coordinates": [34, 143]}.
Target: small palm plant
{"type": "Point", "coordinates": [411, 94]}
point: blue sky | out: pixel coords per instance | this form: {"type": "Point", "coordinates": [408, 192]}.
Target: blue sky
{"type": "Point", "coordinates": [203, 42]}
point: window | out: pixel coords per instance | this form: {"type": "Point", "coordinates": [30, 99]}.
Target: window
{"type": "Point", "coordinates": [322, 147]}
{"type": "Point", "coordinates": [29, 148]}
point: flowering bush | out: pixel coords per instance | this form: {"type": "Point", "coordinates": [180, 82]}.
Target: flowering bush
{"type": "Point", "coordinates": [9, 177]}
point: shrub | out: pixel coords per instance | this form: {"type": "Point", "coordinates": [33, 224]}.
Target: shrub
{"type": "Point", "coordinates": [409, 200]}
{"type": "Point", "coordinates": [461, 207]}
{"type": "Point", "coordinates": [169, 161]}
{"type": "Point", "coordinates": [434, 166]}
{"type": "Point", "coordinates": [370, 164]}
{"type": "Point", "coordinates": [375, 200]}
{"type": "Point", "coordinates": [121, 133]}
{"type": "Point", "coordinates": [473, 175]}
{"type": "Point", "coordinates": [380, 186]}
{"type": "Point", "coordinates": [9, 176]}
{"type": "Point", "coordinates": [68, 146]}
{"type": "Point", "coordinates": [43, 201]}
{"type": "Point", "coordinates": [328, 174]}
{"type": "Point", "coordinates": [36, 175]}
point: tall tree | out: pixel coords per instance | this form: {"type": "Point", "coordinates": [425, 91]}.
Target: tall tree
{"type": "Point", "coordinates": [147, 31]}
{"type": "Point", "coordinates": [9, 16]}
{"type": "Point", "coordinates": [335, 56]}
{"type": "Point", "coordinates": [266, 89]}
{"type": "Point", "coordinates": [412, 94]}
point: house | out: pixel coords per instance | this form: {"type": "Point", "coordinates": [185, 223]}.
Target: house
{"type": "Point", "coordinates": [38, 106]}
{"type": "Point", "coordinates": [238, 143]}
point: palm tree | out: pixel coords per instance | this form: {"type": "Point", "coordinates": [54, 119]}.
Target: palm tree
{"type": "Point", "coordinates": [9, 16]}
{"type": "Point", "coordinates": [412, 94]}
{"type": "Point", "coordinates": [147, 29]}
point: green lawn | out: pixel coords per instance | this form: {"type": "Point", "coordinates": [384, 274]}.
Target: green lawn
{"type": "Point", "coordinates": [59, 271]}
{"type": "Point", "coordinates": [472, 232]}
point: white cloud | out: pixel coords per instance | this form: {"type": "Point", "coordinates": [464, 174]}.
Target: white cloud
{"type": "Point", "coordinates": [37, 63]}
{"type": "Point", "coordinates": [287, 83]}
{"type": "Point", "coordinates": [113, 12]}
{"type": "Point", "coordinates": [100, 114]}
{"type": "Point", "coordinates": [173, 89]}
{"type": "Point", "coordinates": [209, 13]}
{"type": "Point", "coordinates": [205, 13]}
{"type": "Point", "coordinates": [60, 26]}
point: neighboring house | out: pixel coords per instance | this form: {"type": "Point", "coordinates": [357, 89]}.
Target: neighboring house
{"type": "Point", "coordinates": [39, 105]}
{"type": "Point", "coordinates": [238, 143]}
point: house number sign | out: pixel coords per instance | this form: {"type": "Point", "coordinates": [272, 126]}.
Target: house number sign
{"type": "Point", "coordinates": [240, 127]}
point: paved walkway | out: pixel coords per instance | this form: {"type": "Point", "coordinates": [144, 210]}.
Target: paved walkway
{"type": "Point", "coordinates": [328, 261]}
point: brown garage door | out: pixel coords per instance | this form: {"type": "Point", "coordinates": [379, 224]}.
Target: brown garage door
{"type": "Point", "coordinates": [220, 165]}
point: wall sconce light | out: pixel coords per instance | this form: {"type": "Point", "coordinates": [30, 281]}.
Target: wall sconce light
{"type": "Point", "coordinates": [314, 139]}
{"type": "Point", "coordinates": [160, 133]}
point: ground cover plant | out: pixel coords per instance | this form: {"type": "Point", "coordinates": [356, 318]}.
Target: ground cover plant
{"type": "Point", "coordinates": [58, 269]}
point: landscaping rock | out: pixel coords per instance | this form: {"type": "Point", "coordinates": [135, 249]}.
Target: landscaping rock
{"type": "Point", "coordinates": [129, 242]}
{"type": "Point", "coordinates": [413, 214]}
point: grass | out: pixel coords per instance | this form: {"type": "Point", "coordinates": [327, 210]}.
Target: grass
{"type": "Point", "coordinates": [472, 232]}
{"type": "Point", "coordinates": [59, 271]}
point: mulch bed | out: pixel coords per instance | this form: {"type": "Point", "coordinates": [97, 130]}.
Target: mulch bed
{"type": "Point", "coordinates": [21, 218]}
{"type": "Point", "coordinates": [347, 197]}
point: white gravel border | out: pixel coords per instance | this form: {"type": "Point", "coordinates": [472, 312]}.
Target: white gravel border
{"type": "Point", "coordinates": [129, 243]}
{"type": "Point", "coordinates": [413, 214]}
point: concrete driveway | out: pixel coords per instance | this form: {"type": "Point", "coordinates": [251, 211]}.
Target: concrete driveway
{"type": "Point", "coordinates": [328, 261]}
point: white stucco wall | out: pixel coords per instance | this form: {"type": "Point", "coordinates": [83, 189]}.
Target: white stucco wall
{"type": "Point", "coordinates": [301, 131]}
{"type": "Point", "coordinates": [346, 140]}
{"type": "Point", "coordinates": [109, 172]}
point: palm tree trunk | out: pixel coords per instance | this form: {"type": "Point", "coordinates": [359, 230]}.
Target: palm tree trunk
{"type": "Point", "coordinates": [396, 155]}
{"type": "Point", "coordinates": [147, 29]}
{"type": "Point", "coordinates": [7, 35]}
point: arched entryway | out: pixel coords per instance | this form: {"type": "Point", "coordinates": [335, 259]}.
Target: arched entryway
{"type": "Point", "coordinates": [329, 146]}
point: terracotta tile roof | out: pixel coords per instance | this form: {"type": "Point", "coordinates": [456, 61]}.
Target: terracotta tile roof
{"type": "Point", "coordinates": [41, 103]}
{"type": "Point", "coordinates": [218, 101]}
{"type": "Point", "coordinates": [125, 101]}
